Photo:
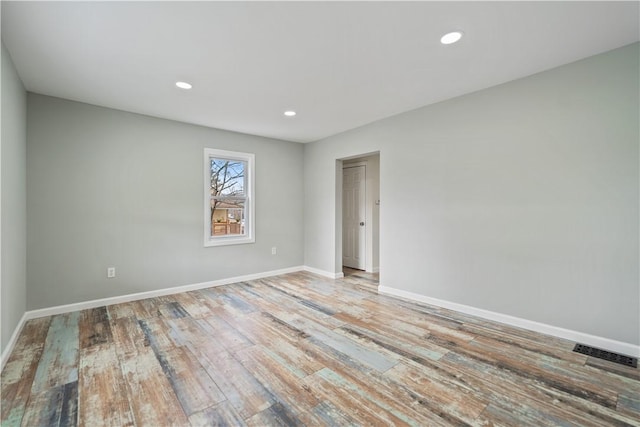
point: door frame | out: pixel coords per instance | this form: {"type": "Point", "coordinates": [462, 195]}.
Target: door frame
{"type": "Point", "coordinates": [369, 267]}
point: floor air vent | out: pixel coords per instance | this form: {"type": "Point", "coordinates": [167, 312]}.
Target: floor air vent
{"type": "Point", "coordinates": [606, 355]}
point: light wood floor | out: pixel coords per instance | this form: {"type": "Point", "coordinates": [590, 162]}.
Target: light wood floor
{"type": "Point", "coordinates": [347, 271]}
{"type": "Point", "coordinates": [299, 349]}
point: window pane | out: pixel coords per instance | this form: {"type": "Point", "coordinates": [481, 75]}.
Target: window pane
{"type": "Point", "coordinates": [227, 217]}
{"type": "Point", "coordinates": [236, 221]}
{"type": "Point", "coordinates": [227, 177]}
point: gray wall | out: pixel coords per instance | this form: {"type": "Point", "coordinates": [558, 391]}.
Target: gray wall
{"type": "Point", "coordinates": [13, 197]}
{"type": "Point", "coordinates": [110, 188]}
{"type": "Point", "coordinates": [520, 199]}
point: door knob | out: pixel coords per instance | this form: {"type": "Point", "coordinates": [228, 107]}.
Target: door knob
{"type": "Point", "coordinates": [362, 223]}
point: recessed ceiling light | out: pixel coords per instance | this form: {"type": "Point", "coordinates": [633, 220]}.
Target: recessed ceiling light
{"type": "Point", "coordinates": [451, 37]}
{"type": "Point", "coordinates": [289, 113]}
{"type": "Point", "coordinates": [183, 85]}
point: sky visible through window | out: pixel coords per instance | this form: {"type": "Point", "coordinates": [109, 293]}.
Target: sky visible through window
{"type": "Point", "coordinates": [227, 177]}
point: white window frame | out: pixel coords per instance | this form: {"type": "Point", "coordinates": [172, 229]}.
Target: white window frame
{"type": "Point", "coordinates": [249, 226]}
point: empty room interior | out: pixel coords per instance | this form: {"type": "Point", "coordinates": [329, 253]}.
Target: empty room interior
{"type": "Point", "coordinates": [320, 213]}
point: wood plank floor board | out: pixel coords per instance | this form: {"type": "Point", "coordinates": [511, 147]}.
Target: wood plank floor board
{"type": "Point", "coordinates": [172, 310]}
{"type": "Point", "coordinates": [532, 370]}
{"type": "Point", "coordinates": [419, 318]}
{"type": "Point", "coordinates": [151, 397]}
{"type": "Point", "coordinates": [332, 415]}
{"type": "Point", "coordinates": [301, 349]}
{"type": "Point", "coordinates": [59, 361]}
{"type": "Point", "coordinates": [573, 371]}
{"type": "Point", "coordinates": [410, 346]}
{"type": "Point", "coordinates": [466, 395]}
{"type": "Point", "coordinates": [357, 372]}
{"type": "Point", "coordinates": [446, 394]}
{"type": "Point", "coordinates": [120, 311]}
{"type": "Point", "coordinates": [284, 304]}
{"type": "Point", "coordinates": [226, 302]}
{"type": "Point", "coordinates": [283, 381]}
{"type": "Point", "coordinates": [56, 406]}
{"type": "Point", "coordinates": [514, 416]}
{"type": "Point", "coordinates": [226, 336]}
{"type": "Point", "coordinates": [472, 324]}
{"type": "Point", "coordinates": [222, 414]}
{"type": "Point", "coordinates": [275, 415]}
{"type": "Point", "coordinates": [191, 384]}
{"type": "Point", "coordinates": [614, 369]}
{"type": "Point", "coordinates": [245, 289]}
{"type": "Point", "coordinates": [243, 390]}
{"type": "Point", "coordinates": [535, 346]}
{"type": "Point", "coordinates": [128, 337]}
{"type": "Point", "coordinates": [94, 327]}
{"type": "Point", "coordinates": [411, 309]}
{"type": "Point", "coordinates": [393, 322]}
{"type": "Point", "coordinates": [134, 309]}
{"type": "Point", "coordinates": [323, 301]}
{"type": "Point", "coordinates": [429, 379]}
{"type": "Point", "coordinates": [456, 408]}
{"type": "Point", "coordinates": [147, 308]}
{"type": "Point", "coordinates": [294, 397]}
{"type": "Point", "coordinates": [282, 307]}
{"type": "Point", "coordinates": [102, 389]}
{"type": "Point", "coordinates": [378, 360]}
{"type": "Point", "coordinates": [192, 305]}
{"type": "Point", "coordinates": [280, 327]}
{"type": "Point", "coordinates": [204, 298]}
{"type": "Point", "coordinates": [259, 292]}
{"type": "Point", "coordinates": [160, 306]}
{"type": "Point", "coordinates": [418, 327]}
{"type": "Point", "coordinates": [507, 330]}
{"type": "Point", "coordinates": [157, 333]}
{"type": "Point", "coordinates": [328, 292]}
{"type": "Point", "coordinates": [368, 408]}
{"type": "Point", "coordinates": [508, 386]}
{"type": "Point", "coordinates": [189, 332]}
{"type": "Point", "coordinates": [385, 344]}
{"type": "Point", "coordinates": [20, 370]}
{"type": "Point", "coordinates": [282, 342]}
{"type": "Point", "coordinates": [629, 405]}
{"type": "Point", "coordinates": [227, 296]}
{"type": "Point", "coordinates": [390, 393]}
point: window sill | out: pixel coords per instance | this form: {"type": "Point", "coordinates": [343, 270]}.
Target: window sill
{"type": "Point", "coordinates": [225, 241]}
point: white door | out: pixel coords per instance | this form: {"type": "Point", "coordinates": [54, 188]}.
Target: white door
{"type": "Point", "coordinates": [353, 214]}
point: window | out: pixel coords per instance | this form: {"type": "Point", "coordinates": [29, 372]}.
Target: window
{"type": "Point", "coordinates": [228, 197]}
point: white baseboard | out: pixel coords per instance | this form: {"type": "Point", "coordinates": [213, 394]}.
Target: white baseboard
{"type": "Point", "coordinates": [324, 273]}
{"type": "Point", "coordinates": [60, 309]}
{"type": "Point", "coordinates": [376, 270]}
{"type": "Point", "coordinates": [579, 337]}
{"type": "Point", "coordinates": [12, 341]}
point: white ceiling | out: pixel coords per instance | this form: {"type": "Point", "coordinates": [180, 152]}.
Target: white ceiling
{"type": "Point", "coordinates": [340, 65]}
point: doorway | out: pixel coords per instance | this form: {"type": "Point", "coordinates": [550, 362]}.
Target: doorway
{"type": "Point", "coordinates": [358, 202]}
{"type": "Point", "coordinates": [354, 216]}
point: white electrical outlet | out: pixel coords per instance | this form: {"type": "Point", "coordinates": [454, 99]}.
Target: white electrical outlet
{"type": "Point", "coordinates": [274, 250]}
{"type": "Point", "coordinates": [111, 272]}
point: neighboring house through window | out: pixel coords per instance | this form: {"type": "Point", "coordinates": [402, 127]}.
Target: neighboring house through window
{"type": "Point", "coordinates": [228, 197]}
